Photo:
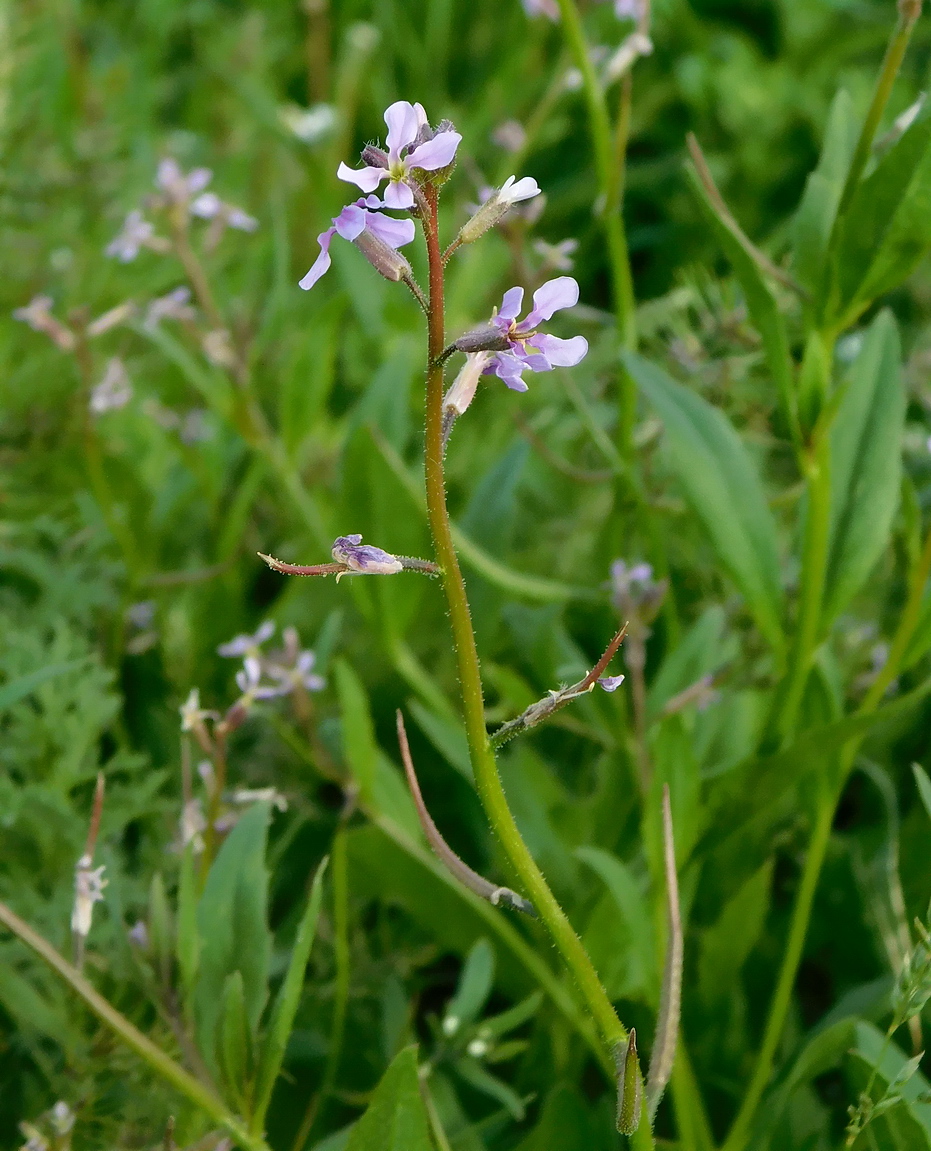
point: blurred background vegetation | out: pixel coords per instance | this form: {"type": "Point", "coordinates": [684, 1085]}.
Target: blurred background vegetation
{"type": "Point", "coordinates": [128, 542]}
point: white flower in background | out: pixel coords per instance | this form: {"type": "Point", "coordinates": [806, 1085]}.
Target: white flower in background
{"type": "Point", "coordinates": [180, 187]}
{"type": "Point", "coordinates": [192, 714]}
{"type": "Point", "coordinates": [137, 233]}
{"type": "Point", "coordinates": [37, 314]}
{"type": "Point", "coordinates": [62, 1118]}
{"type": "Point", "coordinates": [217, 348]}
{"type": "Point", "coordinates": [510, 135]}
{"type": "Point", "coordinates": [310, 125]}
{"type": "Point", "coordinates": [248, 795]}
{"type": "Point", "coordinates": [557, 257]}
{"type": "Point", "coordinates": [209, 206]}
{"type": "Point", "coordinates": [114, 391]}
{"type": "Point", "coordinates": [175, 305]}
{"type": "Point", "coordinates": [192, 825]}
{"type": "Point", "coordinates": [88, 890]}
{"type": "Point", "coordinates": [242, 645]}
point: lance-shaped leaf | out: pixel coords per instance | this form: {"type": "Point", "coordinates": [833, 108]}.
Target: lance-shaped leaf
{"type": "Point", "coordinates": [670, 1002]}
{"type": "Point", "coordinates": [286, 1004]}
{"type": "Point", "coordinates": [886, 229]}
{"type": "Point", "coordinates": [396, 1119]}
{"type": "Point", "coordinates": [724, 488]}
{"type": "Point", "coordinates": [749, 265]}
{"type": "Point", "coordinates": [866, 464]}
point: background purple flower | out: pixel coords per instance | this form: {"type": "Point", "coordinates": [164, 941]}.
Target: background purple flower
{"type": "Point", "coordinates": [527, 347]}
{"type": "Point", "coordinates": [405, 122]}
{"type": "Point", "coordinates": [352, 221]}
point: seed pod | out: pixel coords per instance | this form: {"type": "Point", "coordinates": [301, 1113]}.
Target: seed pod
{"type": "Point", "coordinates": [383, 258]}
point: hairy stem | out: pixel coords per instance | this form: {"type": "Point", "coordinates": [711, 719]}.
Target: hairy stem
{"type": "Point", "coordinates": [487, 779]}
{"type": "Point", "coordinates": [161, 1063]}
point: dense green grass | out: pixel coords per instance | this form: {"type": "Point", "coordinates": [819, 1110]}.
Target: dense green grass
{"type": "Point", "coordinates": [318, 433]}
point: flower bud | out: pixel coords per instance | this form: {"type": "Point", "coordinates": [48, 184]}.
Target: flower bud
{"type": "Point", "coordinates": [497, 206]}
{"type": "Point", "coordinates": [383, 258]}
{"type": "Point", "coordinates": [629, 1085]}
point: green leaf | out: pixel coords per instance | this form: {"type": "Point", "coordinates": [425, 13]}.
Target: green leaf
{"type": "Point", "coordinates": [359, 746]}
{"type": "Point", "coordinates": [866, 465]}
{"type": "Point", "coordinates": [814, 220]}
{"type": "Point", "coordinates": [905, 1127]}
{"type": "Point", "coordinates": [481, 1080]}
{"type": "Point", "coordinates": [924, 786]}
{"type": "Point", "coordinates": [887, 227]}
{"type": "Point", "coordinates": [11, 693]}
{"type": "Point", "coordinates": [727, 945]}
{"type": "Point", "coordinates": [160, 927]}
{"type": "Point", "coordinates": [724, 488]}
{"type": "Point", "coordinates": [698, 653]}
{"type": "Point", "coordinates": [231, 922]}
{"type": "Point", "coordinates": [233, 1039]}
{"type": "Point", "coordinates": [396, 1119]}
{"type": "Point", "coordinates": [761, 303]}
{"type": "Point", "coordinates": [188, 940]}
{"type": "Point", "coordinates": [474, 987]}
{"type": "Point", "coordinates": [286, 1004]}
{"type": "Point", "coordinates": [631, 903]}
{"type": "Point", "coordinates": [446, 735]}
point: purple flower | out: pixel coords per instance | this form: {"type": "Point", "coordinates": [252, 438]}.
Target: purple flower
{"type": "Point", "coordinates": [352, 221]}
{"type": "Point", "coordinates": [364, 558]}
{"type": "Point", "coordinates": [610, 682]}
{"type": "Point", "coordinates": [179, 187]}
{"type": "Point", "coordinates": [528, 348]}
{"type": "Point", "coordinates": [542, 8]}
{"type": "Point", "coordinates": [136, 233]}
{"type": "Point", "coordinates": [409, 146]}
{"type": "Point", "coordinates": [249, 682]}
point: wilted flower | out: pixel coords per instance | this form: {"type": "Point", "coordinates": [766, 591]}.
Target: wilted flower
{"type": "Point", "coordinates": [364, 558]}
{"type": "Point", "coordinates": [528, 348]}
{"type": "Point", "coordinates": [353, 221]}
{"type": "Point", "coordinates": [411, 145]}
{"type": "Point", "coordinates": [610, 682]}
{"type": "Point", "coordinates": [173, 306]}
{"type": "Point", "coordinates": [114, 391]}
{"type": "Point", "coordinates": [136, 233]}
{"type": "Point", "coordinates": [242, 645]}
{"type": "Point", "coordinates": [88, 890]}
{"type": "Point", "coordinates": [37, 314]}
{"type": "Point", "coordinates": [462, 391]}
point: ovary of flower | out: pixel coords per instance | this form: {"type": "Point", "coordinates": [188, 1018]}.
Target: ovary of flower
{"type": "Point", "coordinates": [462, 392]}
{"type": "Point", "coordinates": [242, 645]}
{"type": "Point", "coordinates": [88, 890]}
{"type": "Point", "coordinates": [353, 220]}
{"type": "Point", "coordinates": [528, 347]}
{"type": "Point", "coordinates": [365, 559]}
{"type": "Point", "coordinates": [114, 391]}
{"type": "Point", "coordinates": [406, 123]}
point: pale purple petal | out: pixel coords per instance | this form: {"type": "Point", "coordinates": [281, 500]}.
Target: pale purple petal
{"type": "Point", "coordinates": [198, 179]}
{"type": "Point", "coordinates": [322, 262]}
{"type": "Point", "coordinates": [403, 124]}
{"type": "Point", "coordinates": [435, 153]}
{"type": "Point", "coordinates": [367, 179]}
{"type": "Point", "coordinates": [395, 233]}
{"type": "Point", "coordinates": [553, 296]}
{"type": "Point", "coordinates": [508, 368]}
{"type": "Point", "coordinates": [398, 195]}
{"type": "Point", "coordinates": [610, 682]}
{"type": "Point", "coordinates": [351, 221]}
{"type": "Point", "coordinates": [511, 304]}
{"type": "Point", "coordinates": [560, 353]}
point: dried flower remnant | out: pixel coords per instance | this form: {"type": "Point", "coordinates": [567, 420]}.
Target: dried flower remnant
{"type": "Point", "coordinates": [365, 559]}
{"type": "Point", "coordinates": [114, 391]}
{"type": "Point", "coordinates": [361, 219]}
{"type": "Point", "coordinates": [38, 315]}
{"type": "Point", "coordinates": [136, 233]}
{"type": "Point", "coordinates": [411, 146]}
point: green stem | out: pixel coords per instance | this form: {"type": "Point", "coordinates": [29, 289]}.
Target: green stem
{"type": "Point", "coordinates": [161, 1063]}
{"type": "Point", "coordinates": [908, 13]}
{"type": "Point", "coordinates": [608, 173]}
{"type": "Point", "coordinates": [814, 571]}
{"type": "Point", "coordinates": [487, 779]}
{"type": "Point", "coordinates": [782, 997]}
